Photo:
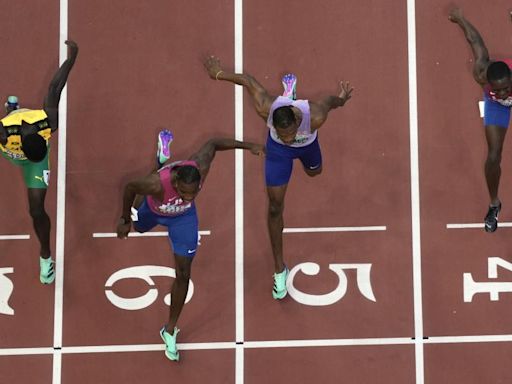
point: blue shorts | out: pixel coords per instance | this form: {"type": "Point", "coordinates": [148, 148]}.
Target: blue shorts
{"type": "Point", "coordinates": [279, 160]}
{"type": "Point", "coordinates": [183, 229]}
{"type": "Point", "coordinates": [495, 113]}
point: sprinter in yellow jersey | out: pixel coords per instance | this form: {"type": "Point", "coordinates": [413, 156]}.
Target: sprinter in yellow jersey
{"type": "Point", "coordinates": [24, 141]}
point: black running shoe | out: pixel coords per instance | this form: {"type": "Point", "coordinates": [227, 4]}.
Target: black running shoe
{"type": "Point", "coordinates": [491, 219]}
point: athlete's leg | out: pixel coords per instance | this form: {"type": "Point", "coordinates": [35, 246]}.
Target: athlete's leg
{"type": "Point", "coordinates": [179, 289]}
{"type": "Point", "coordinates": [40, 219]}
{"type": "Point", "coordinates": [275, 223]}
{"type": "Point", "coordinates": [183, 234]}
{"type": "Point", "coordinates": [496, 120]}
{"type": "Point", "coordinates": [278, 170]}
{"type": "Point", "coordinates": [495, 136]}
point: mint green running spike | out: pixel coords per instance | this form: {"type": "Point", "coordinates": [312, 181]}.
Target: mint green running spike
{"type": "Point", "coordinates": [279, 291]}
{"type": "Point", "coordinates": [171, 350]}
{"type": "Point", "coordinates": [12, 100]}
{"type": "Point", "coordinates": [46, 270]}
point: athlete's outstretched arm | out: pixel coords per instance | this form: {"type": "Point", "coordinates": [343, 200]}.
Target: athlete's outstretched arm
{"type": "Point", "coordinates": [262, 100]}
{"type": "Point", "coordinates": [477, 45]}
{"type": "Point", "coordinates": [205, 155]}
{"type": "Point", "coordinates": [320, 109]}
{"type": "Point", "coordinates": [51, 101]}
{"type": "Point", "coordinates": [149, 185]}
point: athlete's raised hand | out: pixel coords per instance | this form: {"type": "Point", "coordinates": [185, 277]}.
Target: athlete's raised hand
{"type": "Point", "coordinates": [257, 149]}
{"type": "Point", "coordinates": [123, 228]}
{"type": "Point", "coordinates": [212, 66]}
{"type": "Point", "coordinates": [455, 15]}
{"type": "Point", "coordinates": [345, 91]}
{"type": "Point", "coordinates": [72, 48]}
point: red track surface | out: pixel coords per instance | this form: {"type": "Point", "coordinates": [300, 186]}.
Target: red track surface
{"type": "Point", "coordinates": [139, 69]}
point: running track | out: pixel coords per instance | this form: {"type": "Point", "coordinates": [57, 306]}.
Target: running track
{"type": "Point", "coordinates": [404, 157]}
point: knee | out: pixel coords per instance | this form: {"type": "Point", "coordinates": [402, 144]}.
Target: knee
{"type": "Point", "coordinates": [275, 209]}
{"type": "Point", "coordinates": [37, 211]}
{"type": "Point", "coordinates": [494, 157]}
{"type": "Point", "coordinates": [183, 273]}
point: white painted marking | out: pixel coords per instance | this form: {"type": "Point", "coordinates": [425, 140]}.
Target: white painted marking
{"type": "Point", "coordinates": [57, 366]}
{"type": "Point", "coordinates": [239, 363]}
{"type": "Point", "coordinates": [493, 288]}
{"type": "Point", "coordinates": [61, 197]}
{"type": "Point", "coordinates": [26, 351]}
{"type": "Point", "coordinates": [254, 345]}
{"type": "Point", "coordinates": [6, 289]}
{"type": "Point", "coordinates": [415, 190]}
{"type": "Point", "coordinates": [469, 339]}
{"type": "Point", "coordinates": [334, 229]}
{"type": "Point", "coordinates": [142, 272]}
{"type": "Point", "coordinates": [239, 186]}
{"type": "Point", "coordinates": [312, 269]}
{"type": "Point", "coordinates": [14, 237]}
{"type": "Point", "coordinates": [147, 347]}
{"type": "Point", "coordinates": [476, 225]}
{"type": "Point", "coordinates": [137, 234]}
{"type": "Point", "coordinates": [327, 342]}
{"type": "Point", "coordinates": [239, 195]}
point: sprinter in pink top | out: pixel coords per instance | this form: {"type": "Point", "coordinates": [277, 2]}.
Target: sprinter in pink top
{"type": "Point", "coordinates": [166, 197]}
{"type": "Point", "coordinates": [293, 134]}
{"type": "Point", "coordinates": [494, 76]}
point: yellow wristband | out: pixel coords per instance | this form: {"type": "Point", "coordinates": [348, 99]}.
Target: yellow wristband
{"type": "Point", "coordinates": [217, 75]}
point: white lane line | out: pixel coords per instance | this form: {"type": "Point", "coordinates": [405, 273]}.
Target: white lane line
{"type": "Point", "coordinates": [147, 347]}
{"type": "Point", "coordinates": [14, 237]}
{"type": "Point", "coordinates": [61, 201]}
{"type": "Point", "coordinates": [476, 225]}
{"type": "Point", "coordinates": [61, 188]}
{"type": "Point", "coordinates": [327, 342]}
{"type": "Point", "coordinates": [239, 194]}
{"type": "Point", "coordinates": [469, 339]}
{"type": "Point", "coordinates": [206, 346]}
{"type": "Point", "coordinates": [57, 366]}
{"type": "Point", "coordinates": [415, 191]}
{"type": "Point", "coordinates": [334, 229]}
{"type": "Point", "coordinates": [26, 351]}
{"type": "Point", "coordinates": [146, 234]}
{"type": "Point", "coordinates": [256, 345]}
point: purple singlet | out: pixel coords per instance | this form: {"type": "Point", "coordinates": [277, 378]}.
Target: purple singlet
{"type": "Point", "coordinates": [304, 135]}
{"type": "Point", "coordinates": [172, 204]}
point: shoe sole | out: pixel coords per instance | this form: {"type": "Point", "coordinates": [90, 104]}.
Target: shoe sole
{"type": "Point", "coordinates": [290, 86]}
{"type": "Point", "coordinates": [279, 296]}
{"type": "Point", "coordinates": [46, 282]}
{"type": "Point", "coordinates": [164, 148]}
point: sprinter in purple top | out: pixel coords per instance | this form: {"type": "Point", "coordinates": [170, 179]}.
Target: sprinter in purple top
{"type": "Point", "coordinates": [293, 128]}
{"type": "Point", "coordinates": [166, 197]}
